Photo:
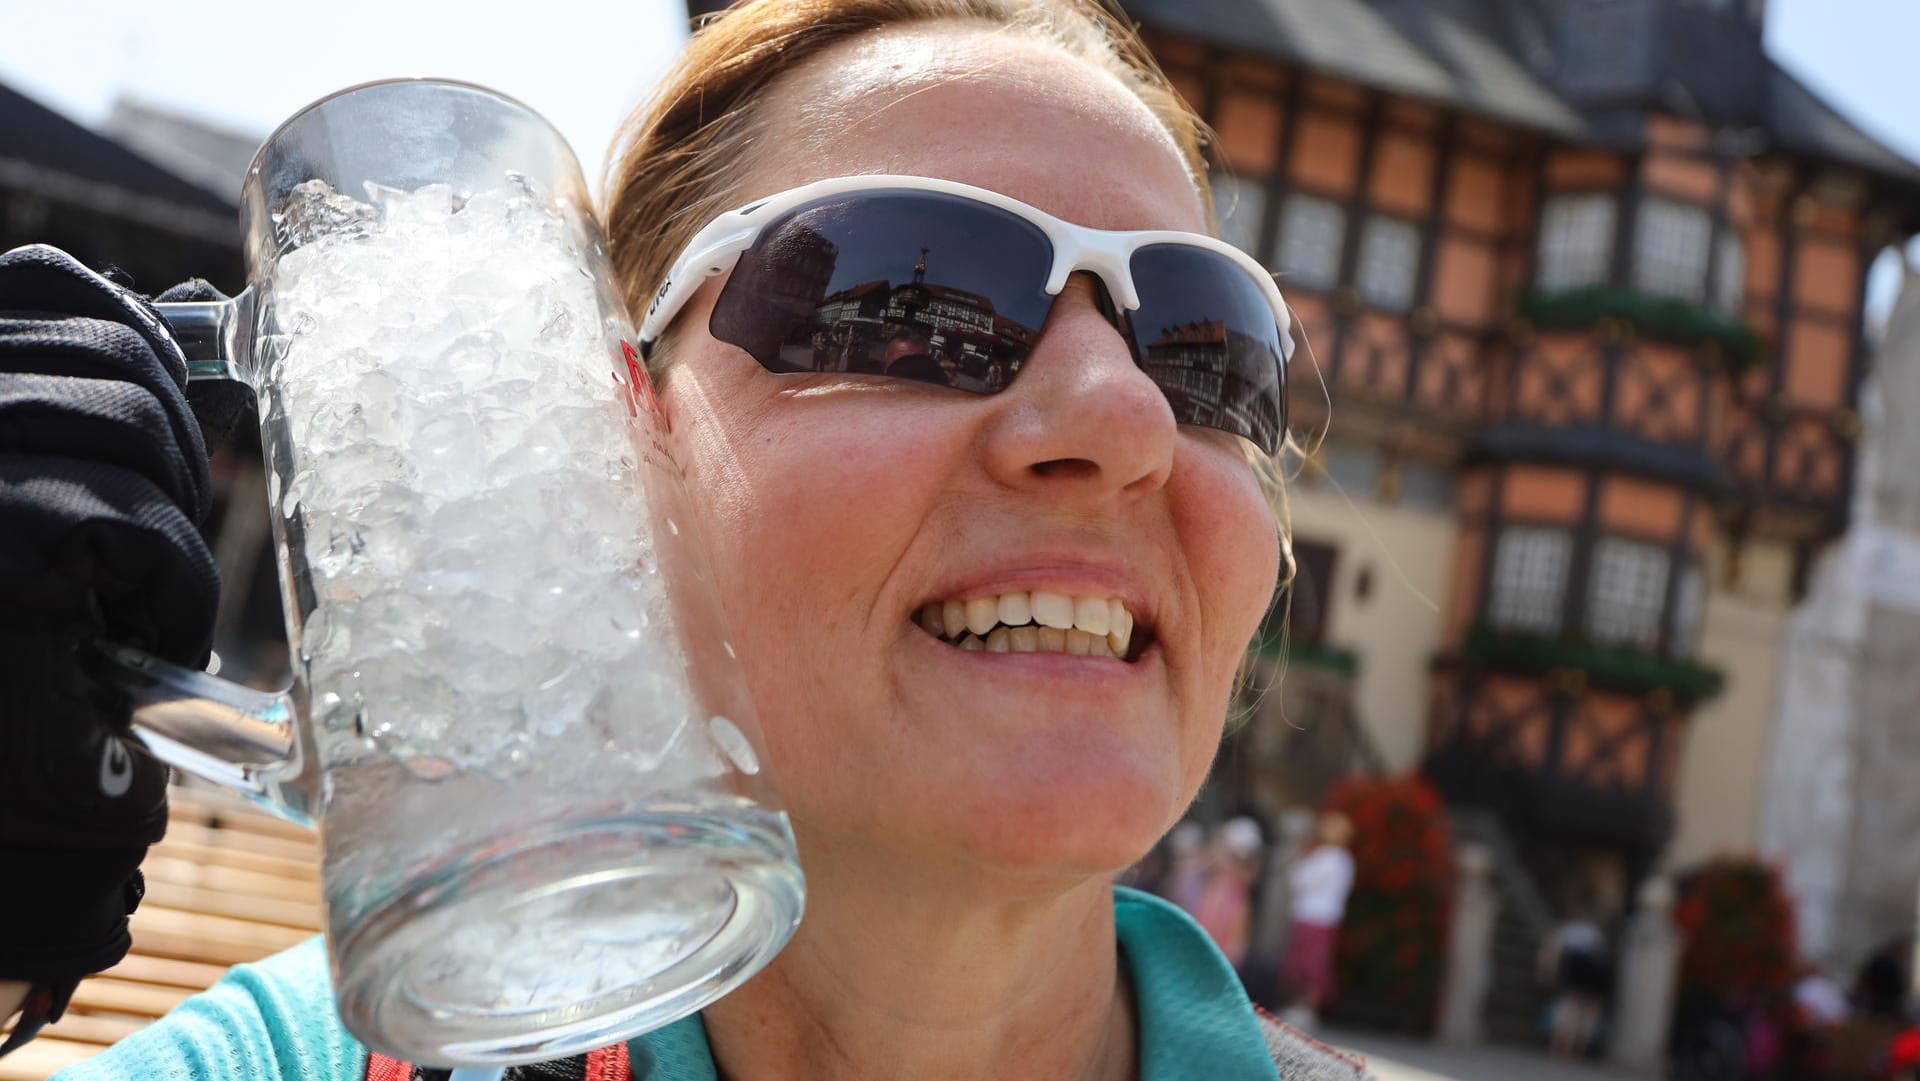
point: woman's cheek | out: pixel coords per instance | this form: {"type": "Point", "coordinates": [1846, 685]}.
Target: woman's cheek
{"type": "Point", "coordinates": [1233, 547]}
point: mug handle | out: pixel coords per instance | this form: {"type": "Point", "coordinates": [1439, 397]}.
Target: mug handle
{"type": "Point", "coordinates": [239, 738]}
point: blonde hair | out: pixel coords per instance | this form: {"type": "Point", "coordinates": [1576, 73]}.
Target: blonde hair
{"type": "Point", "coordinates": [675, 162]}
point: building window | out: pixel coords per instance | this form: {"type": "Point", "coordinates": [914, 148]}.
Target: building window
{"type": "Point", "coordinates": [1629, 592]}
{"type": "Point", "coordinates": [1670, 243]}
{"type": "Point", "coordinates": [1576, 242]}
{"type": "Point", "coordinates": [1311, 234]}
{"type": "Point", "coordinates": [1689, 609]}
{"type": "Point", "coordinates": [1389, 263]}
{"type": "Point", "coordinates": [1239, 205]}
{"type": "Point", "coordinates": [1730, 289]}
{"type": "Point", "coordinates": [1300, 614]}
{"type": "Point", "coordinates": [1529, 578]}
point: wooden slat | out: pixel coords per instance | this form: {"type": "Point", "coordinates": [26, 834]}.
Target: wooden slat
{"type": "Point", "coordinates": [218, 940]}
{"type": "Point", "coordinates": [214, 876]}
{"type": "Point", "coordinates": [304, 915]}
{"type": "Point", "coordinates": [220, 837]}
{"type": "Point", "coordinates": [96, 1028]}
{"type": "Point", "coordinates": [42, 1057]}
{"type": "Point", "coordinates": [181, 848]}
{"type": "Point", "coordinates": [190, 805]}
{"type": "Point", "coordinates": [140, 968]}
{"type": "Point", "coordinates": [125, 997]}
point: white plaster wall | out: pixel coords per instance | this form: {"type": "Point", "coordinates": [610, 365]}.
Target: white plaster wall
{"type": "Point", "coordinates": [1719, 791]}
{"type": "Point", "coordinates": [1842, 805]}
{"type": "Point", "coordinates": [1395, 631]}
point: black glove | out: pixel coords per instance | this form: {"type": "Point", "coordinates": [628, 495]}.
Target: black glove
{"type": "Point", "coordinates": [103, 476]}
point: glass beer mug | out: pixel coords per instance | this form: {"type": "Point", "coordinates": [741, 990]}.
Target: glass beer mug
{"type": "Point", "coordinates": [515, 717]}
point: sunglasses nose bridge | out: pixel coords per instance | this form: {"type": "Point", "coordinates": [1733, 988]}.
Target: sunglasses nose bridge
{"type": "Point", "coordinates": [1109, 256]}
{"type": "Point", "coordinates": [1103, 255]}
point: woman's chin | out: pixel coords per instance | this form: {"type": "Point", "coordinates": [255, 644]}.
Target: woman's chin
{"type": "Point", "coordinates": [1074, 821]}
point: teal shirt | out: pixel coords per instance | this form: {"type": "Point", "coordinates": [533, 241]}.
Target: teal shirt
{"type": "Point", "coordinates": [275, 1019]}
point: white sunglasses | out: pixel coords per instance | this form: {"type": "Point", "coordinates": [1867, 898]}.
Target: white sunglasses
{"type": "Point", "coordinates": [950, 284]}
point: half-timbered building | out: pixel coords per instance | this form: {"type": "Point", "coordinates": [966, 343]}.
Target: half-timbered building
{"type": "Point", "coordinates": [1585, 285]}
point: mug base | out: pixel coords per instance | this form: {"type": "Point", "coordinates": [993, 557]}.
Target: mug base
{"type": "Point", "coordinates": [567, 938]}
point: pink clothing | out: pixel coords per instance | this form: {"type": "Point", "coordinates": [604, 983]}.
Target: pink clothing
{"type": "Point", "coordinates": [1308, 975]}
{"type": "Point", "coordinates": [1187, 887]}
{"type": "Point", "coordinates": [1224, 910]}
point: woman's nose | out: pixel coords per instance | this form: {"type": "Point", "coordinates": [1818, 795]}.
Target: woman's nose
{"type": "Point", "coordinates": [1081, 412]}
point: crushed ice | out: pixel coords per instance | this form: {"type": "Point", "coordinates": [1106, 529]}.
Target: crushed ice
{"type": "Point", "coordinates": [473, 518]}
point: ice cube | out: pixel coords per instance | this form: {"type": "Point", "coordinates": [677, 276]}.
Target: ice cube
{"type": "Point", "coordinates": [313, 210]}
{"type": "Point", "coordinates": [477, 533]}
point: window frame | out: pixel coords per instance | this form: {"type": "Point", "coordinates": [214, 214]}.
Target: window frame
{"type": "Point", "coordinates": [1626, 604]}
{"type": "Point", "coordinates": [1555, 268]}
{"type": "Point", "coordinates": [1687, 622]}
{"type": "Point", "coordinates": [1287, 234]}
{"type": "Point", "coordinates": [1310, 594]}
{"type": "Point", "coordinates": [1673, 248]}
{"type": "Point", "coordinates": [1729, 287]}
{"type": "Point", "coordinates": [1247, 194]}
{"type": "Point", "coordinates": [1518, 579]}
{"type": "Point", "coordinates": [1404, 298]}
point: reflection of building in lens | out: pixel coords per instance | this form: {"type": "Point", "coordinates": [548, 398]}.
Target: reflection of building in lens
{"type": "Point", "coordinates": [1201, 367]}
{"type": "Point", "coordinates": [860, 328]}
{"type": "Point", "coordinates": [774, 288]}
{"type": "Point", "coordinates": [794, 270]}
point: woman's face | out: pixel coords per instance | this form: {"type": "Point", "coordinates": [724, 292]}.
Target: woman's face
{"type": "Point", "coordinates": [839, 507]}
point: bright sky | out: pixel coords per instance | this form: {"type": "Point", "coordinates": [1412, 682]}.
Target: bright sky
{"type": "Point", "coordinates": [583, 63]}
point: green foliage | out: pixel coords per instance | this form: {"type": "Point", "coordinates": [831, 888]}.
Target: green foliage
{"type": "Point", "coordinates": [1672, 319]}
{"type": "Point", "coordinates": [1626, 668]}
{"type": "Point", "coordinates": [1393, 940]}
{"type": "Point", "coordinates": [1313, 655]}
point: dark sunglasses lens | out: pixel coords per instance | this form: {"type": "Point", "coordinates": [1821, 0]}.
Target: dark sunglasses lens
{"type": "Point", "coordinates": [1205, 334]}
{"type": "Point", "coordinates": [916, 285]}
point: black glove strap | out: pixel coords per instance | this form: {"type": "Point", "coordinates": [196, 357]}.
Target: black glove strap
{"type": "Point", "coordinates": [45, 1002]}
{"type": "Point", "coordinates": [64, 912]}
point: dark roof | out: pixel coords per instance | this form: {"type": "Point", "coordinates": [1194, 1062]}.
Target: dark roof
{"type": "Point", "coordinates": [1801, 121]}
{"type": "Point", "coordinates": [212, 157]}
{"type": "Point", "coordinates": [1561, 67]}
{"type": "Point", "coordinates": [53, 146]}
{"type": "Point", "coordinates": [1459, 53]}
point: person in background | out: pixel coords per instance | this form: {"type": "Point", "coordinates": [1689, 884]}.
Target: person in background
{"type": "Point", "coordinates": [1318, 886]}
{"type": "Point", "coordinates": [1226, 902]}
{"type": "Point", "coordinates": [1187, 874]}
{"type": "Point", "coordinates": [1820, 1007]}
{"type": "Point", "coordinates": [1820, 998]}
{"type": "Point", "coordinates": [1573, 961]}
{"type": "Point", "coordinates": [1882, 986]}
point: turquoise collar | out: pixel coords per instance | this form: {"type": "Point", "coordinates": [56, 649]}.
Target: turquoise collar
{"type": "Point", "coordinates": [1195, 1020]}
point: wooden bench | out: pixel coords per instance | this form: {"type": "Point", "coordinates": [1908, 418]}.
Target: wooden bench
{"type": "Point", "coordinates": [230, 883]}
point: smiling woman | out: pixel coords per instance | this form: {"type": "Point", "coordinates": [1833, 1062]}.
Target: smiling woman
{"type": "Point", "coordinates": [981, 444]}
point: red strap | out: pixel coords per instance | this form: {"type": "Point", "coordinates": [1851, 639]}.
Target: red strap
{"type": "Point", "coordinates": [609, 1064]}
{"type": "Point", "coordinates": [382, 1068]}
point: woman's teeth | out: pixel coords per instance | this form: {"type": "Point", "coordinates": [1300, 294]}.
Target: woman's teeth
{"type": "Point", "coordinates": [1037, 622]}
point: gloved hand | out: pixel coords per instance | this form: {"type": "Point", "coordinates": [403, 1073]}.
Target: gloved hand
{"type": "Point", "coordinates": [103, 477]}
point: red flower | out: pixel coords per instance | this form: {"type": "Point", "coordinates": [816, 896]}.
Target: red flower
{"type": "Point", "coordinates": [1393, 937]}
{"type": "Point", "coordinates": [1739, 929]}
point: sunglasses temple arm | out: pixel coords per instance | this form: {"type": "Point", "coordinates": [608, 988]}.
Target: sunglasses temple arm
{"type": "Point", "coordinates": [705, 257]}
